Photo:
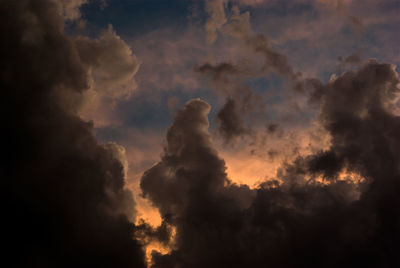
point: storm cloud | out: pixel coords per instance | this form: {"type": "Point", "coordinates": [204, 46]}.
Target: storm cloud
{"type": "Point", "coordinates": [65, 195]}
{"type": "Point", "coordinates": [65, 204]}
{"type": "Point", "coordinates": [309, 215]}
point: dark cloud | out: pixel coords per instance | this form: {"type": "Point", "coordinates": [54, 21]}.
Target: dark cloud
{"type": "Point", "coordinates": [148, 233]}
{"type": "Point", "coordinates": [272, 128]}
{"type": "Point", "coordinates": [220, 73]}
{"type": "Point", "coordinates": [64, 199]}
{"type": "Point", "coordinates": [188, 186]}
{"type": "Point", "coordinates": [231, 124]}
{"type": "Point", "coordinates": [295, 220]}
{"type": "Point", "coordinates": [240, 101]}
{"type": "Point", "coordinates": [357, 112]}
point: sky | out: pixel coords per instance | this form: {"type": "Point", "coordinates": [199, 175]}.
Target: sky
{"type": "Point", "coordinates": [201, 133]}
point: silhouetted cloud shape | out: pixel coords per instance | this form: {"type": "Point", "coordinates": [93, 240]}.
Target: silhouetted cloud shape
{"type": "Point", "coordinates": [228, 80]}
{"type": "Point", "coordinates": [295, 220]}
{"type": "Point", "coordinates": [231, 124]}
{"type": "Point", "coordinates": [63, 193]}
{"type": "Point", "coordinates": [64, 199]}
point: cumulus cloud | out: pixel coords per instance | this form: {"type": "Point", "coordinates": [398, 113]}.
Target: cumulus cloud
{"type": "Point", "coordinates": [312, 214]}
{"type": "Point", "coordinates": [65, 199]}
{"type": "Point", "coordinates": [111, 62]}
{"type": "Point", "coordinates": [112, 67]}
{"type": "Point", "coordinates": [65, 194]}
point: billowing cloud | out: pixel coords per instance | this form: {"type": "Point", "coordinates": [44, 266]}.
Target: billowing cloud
{"type": "Point", "coordinates": [112, 66]}
{"type": "Point", "coordinates": [317, 190]}
{"type": "Point", "coordinates": [312, 214]}
{"type": "Point", "coordinates": [64, 195]}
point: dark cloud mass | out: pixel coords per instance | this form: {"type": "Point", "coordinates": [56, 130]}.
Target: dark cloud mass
{"type": "Point", "coordinates": [231, 124]}
{"type": "Point", "coordinates": [296, 220]}
{"type": "Point", "coordinates": [63, 194]}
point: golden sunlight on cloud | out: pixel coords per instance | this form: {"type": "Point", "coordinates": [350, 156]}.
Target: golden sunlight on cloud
{"type": "Point", "coordinates": [344, 176]}
{"type": "Point", "coordinates": [159, 247]}
{"type": "Point", "coordinates": [250, 170]}
{"type": "Point", "coordinates": [254, 164]}
{"type": "Point", "coordinates": [155, 246]}
{"type": "Point", "coordinates": [147, 213]}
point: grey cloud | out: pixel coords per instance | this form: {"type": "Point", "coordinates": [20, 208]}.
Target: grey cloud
{"type": "Point", "coordinates": [231, 124]}
{"type": "Point", "coordinates": [229, 79]}
{"type": "Point", "coordinates": [112, 67]}
{"type": "Point", "coordinates": [220, 73]}
{"type": "Point", "coordinates": [64, 195]}
{"type": "Point", "coordinates": [71, 8]}
{"type": "Point", "coordinates": [111, 61]}
{"type": "Point", "coordinates": [353, 59]}
{"type": "Point", "coordinates": [217, 18]}
{"type": "Point", "coordinates": [295, 220]}
{"type": "Point", "coordinates": [239, 27]}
